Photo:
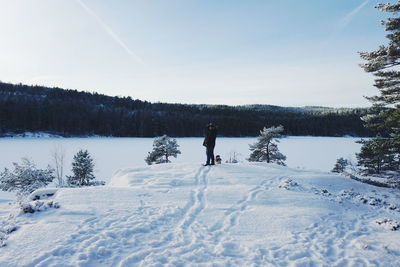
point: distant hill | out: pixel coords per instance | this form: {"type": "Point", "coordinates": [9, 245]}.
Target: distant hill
{"type": "Point", "coordinates": [76, 113]}
{"type": "Point", "coordinates": [306, 109]}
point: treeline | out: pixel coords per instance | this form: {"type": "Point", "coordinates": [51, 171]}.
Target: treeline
{"type": "Point", "coordinates": [74, 113]}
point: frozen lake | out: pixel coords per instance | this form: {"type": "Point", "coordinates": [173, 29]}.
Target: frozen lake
{"type": "Point", "coordinates": [111, 154]}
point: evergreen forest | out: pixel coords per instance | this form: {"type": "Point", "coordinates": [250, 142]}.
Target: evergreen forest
{"type": "Point", "coordinates": [75, 113]}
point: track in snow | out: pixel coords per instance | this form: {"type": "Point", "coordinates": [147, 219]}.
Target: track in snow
{"type": "Point", "coordinates": [181, 217]}
{"type": "Point", "coordinates": [181, 237]}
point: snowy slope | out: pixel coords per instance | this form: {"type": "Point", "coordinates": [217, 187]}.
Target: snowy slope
{"type": "Point", "coordinates": [231, 214]}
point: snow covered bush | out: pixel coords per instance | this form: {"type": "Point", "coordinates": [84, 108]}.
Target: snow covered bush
{"type": "Point", "coordinates": [266, 148]}
{"type": "Point", "coordinates": [7, 226]}
{"type": "Point", "coordinates": [340, 165]}
{"type": "Point", "coordinates": [82, 169]}
{"type": "Point", "coordinates": [38, 205]}
{"type": "Point", "coordinates": [164, 147]}
{"type": "Point", "coordinates": [25, 178]}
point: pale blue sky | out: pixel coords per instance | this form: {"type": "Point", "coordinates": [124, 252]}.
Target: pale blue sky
{"type": "Point", "coordinates": [286, 52]}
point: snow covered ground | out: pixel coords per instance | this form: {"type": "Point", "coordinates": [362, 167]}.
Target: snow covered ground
{"type": "Point", "coordinates": [184, 214]}
{"type": "Point", "coordinates": [111, 154]}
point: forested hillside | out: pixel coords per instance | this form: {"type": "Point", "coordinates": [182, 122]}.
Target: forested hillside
{"type": "Point", "coordinates": [73, 113]}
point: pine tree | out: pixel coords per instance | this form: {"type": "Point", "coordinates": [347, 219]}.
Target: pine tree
{"type": "Point", "coordinates": [25, 178]}
{"type": "Point", "coordinates": [82, 168]}
{"type": "Point", "coordinates": [340, 165]}
{"type": "Point", "coordinates": [164, 147]}
{"type": "Point", "coordinates": [375, 155]}
{"type": "Point", "coordinates": [379, 154]}
{"type": "Point", "coordinates": [266, 148]}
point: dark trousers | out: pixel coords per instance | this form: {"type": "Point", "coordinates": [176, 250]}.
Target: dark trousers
{"type": "Point", "coordinates": [210, 155]}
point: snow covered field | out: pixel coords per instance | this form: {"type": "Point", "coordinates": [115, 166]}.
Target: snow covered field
{"type": "Point", "coordinates": [184, 214]}
{"type": "Point", "coordinates": [111, 154]}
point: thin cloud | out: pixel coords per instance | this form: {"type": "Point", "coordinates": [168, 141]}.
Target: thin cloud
{"type": "Point", "coordinates": [345, 20]}
{"type": "Point", "coordinates": [110, 32]}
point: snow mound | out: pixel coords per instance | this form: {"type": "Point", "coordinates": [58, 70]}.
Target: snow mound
{"type": "Point", "coordinates": [247, 214]}
{"type": "Point", "coordinates": [42, 193]}
{"type": "Point", "coordinates": [287, 184]}
{"type": "Point", "coordinates": [388, 223]}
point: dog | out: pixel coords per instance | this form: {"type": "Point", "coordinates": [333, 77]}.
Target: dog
{"type": "Point", "coordinates": [218, 159]}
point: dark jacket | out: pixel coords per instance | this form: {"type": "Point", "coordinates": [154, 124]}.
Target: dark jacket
{"type": "Point", "coordinates": [211, 135]}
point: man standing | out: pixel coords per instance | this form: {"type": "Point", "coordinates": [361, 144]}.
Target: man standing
{"type": "Point", "coordinates": [209, 143]}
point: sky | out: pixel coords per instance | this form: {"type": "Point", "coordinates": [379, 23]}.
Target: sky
{"type": "Point", "coordinates": [286, 52]}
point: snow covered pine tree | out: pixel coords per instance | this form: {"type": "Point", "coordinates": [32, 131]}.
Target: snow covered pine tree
{"type": "Point", "coordinates": [164, 147]}
{"type": "Point", "coordinates": [266, 149]}
{"type": "Point", "coordinates": [340, 165]}
{"type": "Point", "coordinates": [25, 178]}
{"type": "Point", "coordinates": [82, 168]}
{"type": "Point", "coordinates": [382, 154]}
